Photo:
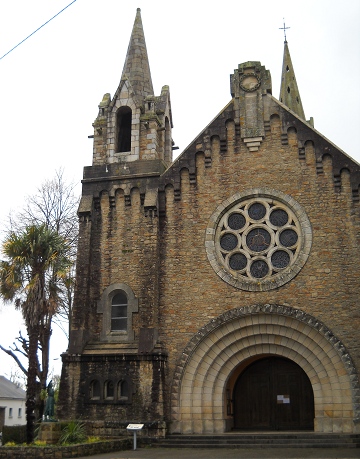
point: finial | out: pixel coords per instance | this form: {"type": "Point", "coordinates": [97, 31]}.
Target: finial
{"type": "Point", "coordinates": [284, 29]}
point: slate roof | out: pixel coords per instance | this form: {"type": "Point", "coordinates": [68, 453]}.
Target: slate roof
{"type": "Point", "coordinates": [9, 390]}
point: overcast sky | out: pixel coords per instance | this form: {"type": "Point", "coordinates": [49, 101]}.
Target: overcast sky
{"type": "Point", "coordinates": [51, 85]}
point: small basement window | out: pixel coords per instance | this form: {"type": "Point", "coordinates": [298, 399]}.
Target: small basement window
{"type": "Point", "coordinates": [95, 390]}
{"type": "Point", "coordinates": [109, 390]}
{"type": "Point", "coordinates": [123, 390]}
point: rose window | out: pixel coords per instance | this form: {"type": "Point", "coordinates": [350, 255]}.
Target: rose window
{"type": "Point", "coordinates": [259, 243]}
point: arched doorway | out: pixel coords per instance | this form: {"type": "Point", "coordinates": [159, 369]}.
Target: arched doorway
{"type": "Point", "coordinates": [273, 393]}
{"type": "Point", "coordinates": [210, 365]}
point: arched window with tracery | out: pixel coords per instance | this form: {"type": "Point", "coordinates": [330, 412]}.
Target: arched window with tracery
{"type": "Point", "coordinates": [117, 304]}
{"type": "Point", "coordinates": [123, 129]}
{"type": "Point", "coordinates": [119, 317]}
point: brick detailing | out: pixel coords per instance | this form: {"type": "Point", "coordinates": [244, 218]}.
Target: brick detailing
{"type": "Point", "coordinates": [215, 351]}
{"type": "Point", "coordinates": [302, 154]}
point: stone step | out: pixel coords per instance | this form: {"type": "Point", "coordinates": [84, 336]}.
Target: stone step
{"type": "Point", "coordinates": [269, 437]}
{"type": "Point", "coordinates": [261, 437]}
{"type": "Point", "coordinates": [249, 442]}
{"type": "Point", "coordinates": [307, 440]}
{"type": "Point", "coordinates": [259, 446]}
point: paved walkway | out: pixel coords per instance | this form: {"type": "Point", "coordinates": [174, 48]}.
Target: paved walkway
{"type": "Point", "coordinates": [263, 453]}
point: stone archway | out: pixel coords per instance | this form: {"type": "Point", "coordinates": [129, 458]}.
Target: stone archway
{"type": "Point", "coordinates": [198, 398]}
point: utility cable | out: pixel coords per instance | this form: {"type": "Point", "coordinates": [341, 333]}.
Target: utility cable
{"type": "Point", "coordinates": [47, 22]}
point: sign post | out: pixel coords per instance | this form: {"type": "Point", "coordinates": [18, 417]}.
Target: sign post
{"type": "Point", "coordinates": [134, 428]}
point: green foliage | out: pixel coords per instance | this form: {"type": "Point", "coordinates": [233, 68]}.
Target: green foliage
{"type": "Point", "coordinates": [13, 434]}
{"type": "Point", "coordinates": [36, 262]}
{"type": "Point", "coordinates": [93, 439]}
{"type": "Point", "coordinates": [73, 432]}
{"type": "Point", "coordinates": [40, 443]}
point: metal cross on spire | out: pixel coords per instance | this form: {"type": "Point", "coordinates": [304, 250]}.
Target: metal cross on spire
{"type": "Point", "coordinates": [284, 29]}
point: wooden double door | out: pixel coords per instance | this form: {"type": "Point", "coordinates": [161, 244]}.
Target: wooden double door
{"type": "Point", "coordinates": [273, 394]}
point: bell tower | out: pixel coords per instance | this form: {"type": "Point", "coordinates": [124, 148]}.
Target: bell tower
{"type": "Point", "coordinates": [114, 354]}
{"type": "Point", "coordinates": [135, 125]}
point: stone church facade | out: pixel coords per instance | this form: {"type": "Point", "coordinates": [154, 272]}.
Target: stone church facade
{"type": "Point", "coordinates": [218, 291]}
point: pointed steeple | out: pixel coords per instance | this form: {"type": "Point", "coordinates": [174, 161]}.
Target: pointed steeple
{"type": "Point", "coordinates": [136, 68]}
{"type": "Point", "coordinates": [289, 91]}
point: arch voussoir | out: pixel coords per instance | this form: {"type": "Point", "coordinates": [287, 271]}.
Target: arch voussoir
{"type": "Point", "coordinates": [244, 334]}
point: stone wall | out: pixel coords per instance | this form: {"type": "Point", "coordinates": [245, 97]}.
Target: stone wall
{"type": "Point", "coordinates": [60, 452]}
{"type": "Point", "coordinates": [326, 287]}
{"type": "Point", "coordinates": [144, 375]}
{"type": "Point", "coordinates": [118, 429]}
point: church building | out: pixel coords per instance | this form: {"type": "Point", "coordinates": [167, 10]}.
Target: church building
{"type": "Point", "coordinates": [218, 291]}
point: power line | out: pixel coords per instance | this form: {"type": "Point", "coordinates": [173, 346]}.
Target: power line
{"type": "Point", "coordinates": [12, 49]}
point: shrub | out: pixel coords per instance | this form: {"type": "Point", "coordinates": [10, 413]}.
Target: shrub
{"type": "Point", "coordinates": [73, 432]}
{"type": "Point", "coordinates": [14, 434]}
{"type": "Point", "coordinates": [93, 439]}
{"type": "Point", "coordinates": [40, 443]}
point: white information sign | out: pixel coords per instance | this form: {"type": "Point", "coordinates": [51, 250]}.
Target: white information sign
{"type": "Point", "coordinates": [135, 426]}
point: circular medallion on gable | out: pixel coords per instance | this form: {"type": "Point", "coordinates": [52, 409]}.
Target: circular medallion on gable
{"type": "Point", "coordinates": [258, 240]}
{"type": "Point", "coordinates": [249, 82]}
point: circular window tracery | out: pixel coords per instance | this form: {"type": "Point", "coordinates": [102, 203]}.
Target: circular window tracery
{"type": "Point", "coordinates": [278, 217]}
{"type": "Point", "coordinates": [259, 241]}
{"type": "Point", "coordinates": [256, 211]}
{"type": "Point", "coordinates": [238, 261]}
{"type": "Point", "coordinates": [236, 221]}
{"type": "Point", "coordinates": [228, 241]}
{"type": "Point", "coordinates": [280, 259]}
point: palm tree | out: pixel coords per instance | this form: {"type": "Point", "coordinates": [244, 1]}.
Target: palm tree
{"type": "Point", "coordinates": [36, 261]}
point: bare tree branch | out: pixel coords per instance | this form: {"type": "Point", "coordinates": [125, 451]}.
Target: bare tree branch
{"type": "Point", "coordinates": [14, 356]}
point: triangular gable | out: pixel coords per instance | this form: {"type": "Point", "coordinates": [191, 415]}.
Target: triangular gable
{"type": "Point", "coordinates": [305, 133]}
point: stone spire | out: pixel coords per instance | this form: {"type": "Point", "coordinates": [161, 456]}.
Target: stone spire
{"type": "Point", "coordinates": [136, 67]}
{"type": "Point", "coordinates": [289, 92]}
